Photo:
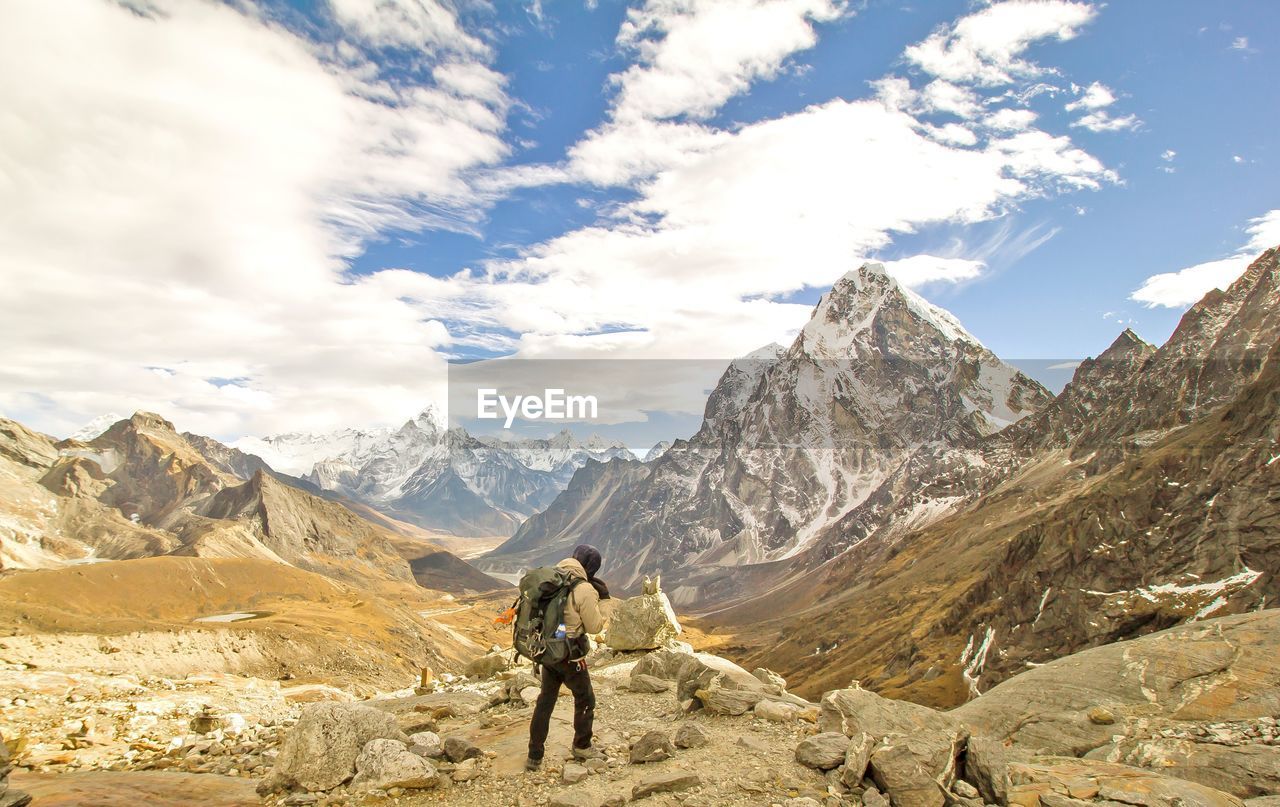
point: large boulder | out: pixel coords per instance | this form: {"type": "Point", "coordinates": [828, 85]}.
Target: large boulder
{"type": "Point", "coordinates": [664, 662]}
{"type": "Point", "coordinates": [700, 670]}
{"type": "Point", "coordinates": [920, 747]}
{"type": "Point", "coordinates": [824, 751]}
{"type": "Point", "coordinates": [642, 623]}
{"type": "Point", "coordinates": [857, 756]}
{"type": "Point", "coordinates": [721, 700]}
{"type": "Point", "coordinates": [384, 764]}
{"type": "Point", "coordinates": [320, 752]}
{"type": "Point", "coordinates": [1067, 782]}
{"type": "Point", "coordinates": [855, 711]}
{"type": "Point", "coordinates": [489, 665]}
{"type": "Point", "coordinates": [899, 770]}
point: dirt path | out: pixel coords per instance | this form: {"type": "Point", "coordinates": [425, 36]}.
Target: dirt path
{"type": "Point", "coordinates": [760, 771]}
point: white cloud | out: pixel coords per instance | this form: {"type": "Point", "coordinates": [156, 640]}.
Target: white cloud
{"type": "Point", "coordinates": [423, 24]}
{"type": "Point", "coordinates": [1094, 100]}
{"type": "Point", "coordinates": [984, 48]}
{"type": "Point", "coordinates": [1100, 121]}
{"type": "Point", "coordinates": [693, 55]}
{"type": "Point", "coordinates": [687, 67]}
{"type": "Point", "coordinates": [180, 190]}
{"type": "Point", "coordinates": [1237, 159]}
{"type": "Point", "coordinates": [1010, 120]}
{"type": "Point", "coordinates": [919, 270]}
{"type": "Point", "coordinates": [690, 267]}
{"type": "Point", "coordinates": [1186, 286]}
{"type": "Point", "coordinates": [1168, 155]}
{"type": "Point", "coordinates": [1240, 43]}
{"type": "Point", "coordinates": [1095, 96]}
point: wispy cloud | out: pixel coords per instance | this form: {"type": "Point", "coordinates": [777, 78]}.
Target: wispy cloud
{"type": "Point", "coordinates": [1186, 286]}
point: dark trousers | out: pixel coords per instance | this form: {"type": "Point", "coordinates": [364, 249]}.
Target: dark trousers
{"type": "Point", "coordinates": [584, 705]}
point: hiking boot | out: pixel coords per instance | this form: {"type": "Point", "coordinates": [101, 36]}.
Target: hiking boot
{"type": "Point", "coordinates": [590, 752]}
{"type": "Point", "coordinates": [532, 764]}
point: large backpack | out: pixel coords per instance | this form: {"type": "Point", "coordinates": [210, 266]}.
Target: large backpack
{"type": "Point", "coordinates": [539, 612]}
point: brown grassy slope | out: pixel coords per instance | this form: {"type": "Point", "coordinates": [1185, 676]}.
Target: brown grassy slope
{"type": "Point", "coordinates": [368, 631]}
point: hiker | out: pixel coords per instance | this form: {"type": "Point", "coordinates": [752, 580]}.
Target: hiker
{"type": "Point", "coordinates": [585, 612]}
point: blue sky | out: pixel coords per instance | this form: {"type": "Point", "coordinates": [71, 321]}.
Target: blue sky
{"type": "Point", "coordinates": [289, 216]}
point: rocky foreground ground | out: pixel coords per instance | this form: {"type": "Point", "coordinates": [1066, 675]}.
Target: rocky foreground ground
{"type": "Point", "coordinates": [1183, 718]}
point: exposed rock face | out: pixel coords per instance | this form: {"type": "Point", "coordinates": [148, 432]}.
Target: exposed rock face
{"type": "Point", "coordinates": [307, 531]}
{"type": "Point", "coordinates": [320, 753]}
{"type": "Point", "coordinates": [791, 442]}
{"type": "Point", "coordinates": [1222, 672]}
{"type": "Point", "coordinates": [645, 622]}
{"type": "Point", "coordinates": [1095, 385]}
{"type": "Point", "coordinates": [1247, 770]}
{"type": "Point", "coordinates": [1218, 347]}
{"type": "Point", "coordinates": [1219, 670]}
{"type": "Point", "coordinates": [1066, 782]}
{"type": "Point", "coordinates": [49, 506]}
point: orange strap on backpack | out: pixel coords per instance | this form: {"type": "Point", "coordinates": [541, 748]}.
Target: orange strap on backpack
{"type": "Point", "coordinates": [506, 617]}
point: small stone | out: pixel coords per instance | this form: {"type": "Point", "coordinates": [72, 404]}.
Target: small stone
{"type": "Point", "coordinates": [671, 782]}
{"type": "Point", "coordinates": [573, 774]}
{"type": "Point", "coordinates": [654, 746]}
{"type": "Point", "coordinates": [874, 798]}
{"type": "Point", "coordinates": [753, 743]}
{"type": "Point", "coordinates": [458, 749]}
{"type": "Point", "coordinates": [1101, 716]}
{"type": "Point", "coordinates": [426, 744]}
{"type": "Point", "coordinates": [965, 790]}
{"type": "Point", "coordinates": [691, 735]}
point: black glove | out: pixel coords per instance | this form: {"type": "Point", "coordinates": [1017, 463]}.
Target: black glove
{"type": "Point", "coordinates": [600, 587]}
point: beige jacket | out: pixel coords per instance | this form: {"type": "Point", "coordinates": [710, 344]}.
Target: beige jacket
{"type": "Point", "coordinates": [584, 612]}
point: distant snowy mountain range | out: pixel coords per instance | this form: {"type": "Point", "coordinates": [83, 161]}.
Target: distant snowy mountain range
{"type": "Point", "coordinates": [425, 473]}
{"type": "Point", "coordinates": [439, 478]}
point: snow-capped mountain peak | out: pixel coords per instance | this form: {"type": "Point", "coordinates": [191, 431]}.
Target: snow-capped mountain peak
{"type": "Point", "coordinates": [96, 426]}
{"type": "Point", "coordinates": [842, 321]}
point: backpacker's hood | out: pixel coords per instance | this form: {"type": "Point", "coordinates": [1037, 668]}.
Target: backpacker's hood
{"type": "Point", "coordinates": [573, 567]}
